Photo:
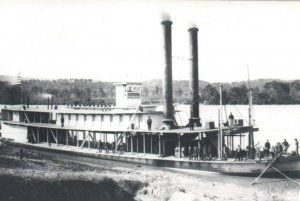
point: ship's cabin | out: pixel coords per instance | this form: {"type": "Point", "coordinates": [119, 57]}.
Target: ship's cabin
{"type": "Point", "coordinates": [128, 94]}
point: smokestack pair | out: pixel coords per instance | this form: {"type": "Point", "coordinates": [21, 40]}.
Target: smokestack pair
{"type": "Point", "coordinates": [167, 81]}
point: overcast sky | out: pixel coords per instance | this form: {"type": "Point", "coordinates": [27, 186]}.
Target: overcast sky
{"type": "Point", "coordinates": [121, 41]}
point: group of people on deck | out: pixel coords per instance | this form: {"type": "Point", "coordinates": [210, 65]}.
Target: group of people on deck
{"type": "Point", "coordinates": [279, 148]}
{"type": "Point", "coordinates": [194, 153]}
{"type": "Point", "coordinates": [107, 147]}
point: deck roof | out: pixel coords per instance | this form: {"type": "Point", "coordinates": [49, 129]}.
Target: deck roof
{"type": "Point", "coordinates": [181, 131]}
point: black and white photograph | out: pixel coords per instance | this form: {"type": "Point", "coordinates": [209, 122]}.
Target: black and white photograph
{"type": "Point", "coordinates": [127, 100]}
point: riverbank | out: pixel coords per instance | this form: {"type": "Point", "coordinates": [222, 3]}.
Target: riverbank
{"type": "Point", "coordinates": [37, 177]}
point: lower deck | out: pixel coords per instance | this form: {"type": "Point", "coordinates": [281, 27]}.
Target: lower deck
{"type": "Point", "coordinates": [290, 166]}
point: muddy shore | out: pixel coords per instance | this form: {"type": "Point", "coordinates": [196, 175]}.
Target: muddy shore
{"type": "Point", "coordinates": [36, 177]}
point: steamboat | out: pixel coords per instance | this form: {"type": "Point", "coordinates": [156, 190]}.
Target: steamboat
{"type": "Point", "coordinates": [123, 132]}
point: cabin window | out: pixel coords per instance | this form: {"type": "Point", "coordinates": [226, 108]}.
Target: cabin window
{"type": "Point", "coordinates": [102, 117]}
{"type": "Point", "coordinates": [93, 117]}
{"type": "Point", "coordinates": [85, 117]}
{"type": "Point", "coordinates": [69, 115]}
{"type": "Point", "coordinates": [77, 117]}
{"type": "Point", "coordinates": [111, 118]}
{"type": "Point", "coordinates": [121, 117]}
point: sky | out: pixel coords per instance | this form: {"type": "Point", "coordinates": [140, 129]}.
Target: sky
{"type": "Point", "coordinates": [122, 40]}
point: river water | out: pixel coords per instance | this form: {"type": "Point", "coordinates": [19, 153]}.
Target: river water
{"type": "Point", "coordinates": [275, 122]}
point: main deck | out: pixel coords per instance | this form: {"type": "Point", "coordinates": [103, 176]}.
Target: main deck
{"type": "Point", "coordinates": [249, 167]}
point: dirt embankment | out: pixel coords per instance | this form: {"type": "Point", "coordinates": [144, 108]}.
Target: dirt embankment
{"type": "Point", "coordinates": [38, 178]}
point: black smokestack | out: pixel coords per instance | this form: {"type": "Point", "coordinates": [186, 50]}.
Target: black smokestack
{"type": "Point", "coordinates": [167, 80]}
{"type": "Point", "coordinates": [194, 89]}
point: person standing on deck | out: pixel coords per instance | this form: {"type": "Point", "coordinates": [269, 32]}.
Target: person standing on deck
{"type": "Point", "coordinates": [225, 152]}
{"type": "Point", "coordinates": [285, 146]}
{"type": "Point", "coordinates": [195, 153]}
{"type": "Point", "coordinates": [191, 124]}
{"type": "Point", "coordinates": [209, 154]}
{"type": "Point", "coordinates": [190, 153]}
{"type": "Point", "coordinates": [149, 123]}
{"type": "Point", "coordinates": [267, 148]}
{"type": "Point", "coordinates": [231, 119]}
{"type": "Point", "coordinates": [204, 153]}
{"type": "Point", "coordinates": [252, 152]}
{"type": "Point", "coordinates": [248, 149]}
{"type": "Point", "coordinates": [121, 145]}
{"type": "Point", "coordinates": [106, 147]}
{"type": "Point", "coordinates": [297, 147]}
{"type": "Point", "coordinates": [99, 146]}
{"type": "Point", "coordinates": [62, 120]}
{"type": "Point", "coordinates": [238, 153]}
{"type": "Point", "coordinates": [113, 146]}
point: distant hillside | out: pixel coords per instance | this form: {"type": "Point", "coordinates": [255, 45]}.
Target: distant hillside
{"type": "Point", "coordinates": [87, 91]}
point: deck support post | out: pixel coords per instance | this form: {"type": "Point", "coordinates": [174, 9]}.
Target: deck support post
{"type": "Point", "coordinates": [164, 147]}
{"type": "Point", "coordinates": [126, 141]}
{"type": "Point", "coordinates": [105, 139]}
{"type": "Point", "coordinates": [241, 140]}
{"type": "Point", "coordinates": [94, 139]}
{"type": "Point", "coordinates": [144, 142]}
{"type": "Point", "coordinates": [89, 139]}
{"type": "Point", "coordinates": [67, 138]}
{"type": "Point", "coordinates": [47, 131]}
{"type": "Point", "coordinates": [131, 144]}
{"type": "Point", "coordinates": [151, 149]}
{"type": "Point", "coordinates": [159, 144]}
{"type": "Point", "coordinates": [179, 145]}
{"type": "Point", "coordinates": [232, 143]}
{"type": "Point", "coordinates": [137, 143]}
{"type": "Point", "coordinates": [199, 145]}
{"type": "Point", "coordinates": [116, 142]}
{"type": "Point", "coordinates": [77, 142]}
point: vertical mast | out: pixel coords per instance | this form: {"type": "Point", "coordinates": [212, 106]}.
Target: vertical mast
{"type": "Point", "coordinates": [220, 141]}
{"type": "Point", "coordinates": [250, 111]}
{"type": "Point", "coordinates": [250, 99]}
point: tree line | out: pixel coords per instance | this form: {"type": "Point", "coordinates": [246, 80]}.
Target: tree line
{"type": "Point", "coordinates": [89, 92]}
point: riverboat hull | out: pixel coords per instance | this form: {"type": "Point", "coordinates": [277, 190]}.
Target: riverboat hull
{"type": "Point", "coordinates": [289, 166]}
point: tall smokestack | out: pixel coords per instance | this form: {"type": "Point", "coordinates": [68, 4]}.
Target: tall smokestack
{"type": "Point", "coordinates": [194, 89]}
{"type": "Point", "coordinates": [167, 80]}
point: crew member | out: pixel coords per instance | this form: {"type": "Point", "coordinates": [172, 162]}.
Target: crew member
{"type": "Point", "coordinates": [121, 145]}
{"type": "Point", "coordinates": [204, 153]}
{"type": "Point", "coordinates": [149, 122]}
{"type": "Point", "coordinates": [209, 154]}
{"type": "Point", "coordinates": [190, 153]}
{"type": "Point", "coordinates": [113, 145]}
{"type": "Point", "coordinates": [225, 152]}
{"type": "Point", "coordinates": [191, 124]}
{"type": "Point", "coordinates": [99, 146]}
{"type": "Point", "coordinates": [231, 119]}
{"type": "Point", "coordinates": [267, 148]}
{"type": "Point", "coordinates": [238, 153]}
{"type": "Point", "coordinates": [285, 146]}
